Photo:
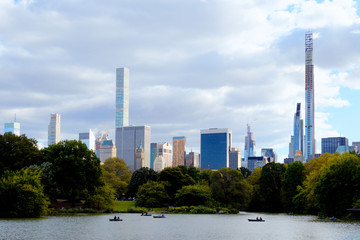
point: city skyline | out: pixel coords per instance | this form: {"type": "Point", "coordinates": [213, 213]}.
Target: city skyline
{"type": "Point", "coordinates": [217, 65]}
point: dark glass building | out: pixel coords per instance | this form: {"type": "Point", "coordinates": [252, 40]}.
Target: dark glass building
{"type": "Point", "coordinates": [330, 144]}
{"type": "Point", "coordinates": [215, 147]}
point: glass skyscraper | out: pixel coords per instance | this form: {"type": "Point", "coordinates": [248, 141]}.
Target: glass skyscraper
{"type": "Point", "coordinates": [122, 97]}
{"type": "Point", "coordinates": [309, 98]}
{"type": "Point", "coordinates": [330, 144]}
{"type": "Point", "coordinates": [215, 146]}
{"type": "Point", "coordinates": [298, 131]}
{"type": "Point", "coordinates": [179, 151]}
{"type": "Point", "coordinates": [250, 149]}
{"type": "Point", "coordinates": [54, 129]}
{"type": "Point", "coordinates": [13, 127]}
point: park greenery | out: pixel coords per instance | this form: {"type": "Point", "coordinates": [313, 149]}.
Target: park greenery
{"type": "Point", "coordinates": [33, 181]}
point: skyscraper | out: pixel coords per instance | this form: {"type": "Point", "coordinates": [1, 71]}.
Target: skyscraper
{"type": "Point", "coordinates": [54, 129]}
{"type": "Point", "coordinates": [122, 97]}
{"type": "Point", "coordinates": [179, 151]}
{"type": "Point", "coordinates": [235, 158]}
{"type": "Point", "coordinates": [127, 141]}
{"type": "Point", "coordinates": [88, 137]}
{"type": "Point", "coordinates": [250, 149]}
{"type": "Point", "coordinates": [331, 144]}
{"type": "Point", "coordinates": [215, 146]}
{"type": "Point", "coordinates": [270, 153]}
{"type": "Point", "coordinates": [13, 127]}
{"type": "Point", "coordinates": [298, 131]}
{"type": "Point", "coordinates": [309, 98]}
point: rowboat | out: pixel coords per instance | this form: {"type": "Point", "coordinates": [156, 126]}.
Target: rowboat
{"type": "Point", "coordinates": [159, 216]}
{"type": "Point", "coordinates": [256, 220]}
{"type": "Point", "coordinates": [115, 219]}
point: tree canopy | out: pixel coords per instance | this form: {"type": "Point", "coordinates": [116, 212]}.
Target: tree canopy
{"type": "Point", "coordinates": [152, 194]}
{"type": "Point", "coordinates": [17, 152]}
{"type": "Point", "coordinates": [74, 169]}
{"type": "Point", "coordinates": [140, 177]}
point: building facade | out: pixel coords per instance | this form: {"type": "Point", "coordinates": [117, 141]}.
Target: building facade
{"type": "Point", "coordinates": [331, 144]}
{"type": "Point", "coordinates": [88, 137]}
{"type": "Point", "coordinates": [107, 150]}
{"type": "Point", "coordinates": [179, 151]}
{"type": "Point", "coordinates": [254, 162]}
{"type": "Point", "coordinates": [250, 149]}
{"type": "Point", "coordinates": [154, 153]}
{"type": "Point", "coordinates": [54, 129]}
{"type": "Point", "coordinates": [215, 145]}
{"type": "Point", "coordinates": [164, 156]}
{"type": "Point", "coordinates": [139, 157]}
{"type": "Point", "coordinates": [128, 139]}
{"type": "Point", "coordinates": [235, 158]}
{"type": "Point", "coordinates": [122, 97]}
{"type": "Point", "coordinates": [298, 130]}
{"type": "Point", "coordinates": [270, 153]}
{"type": "Point", "coordinates": [310, 145]}
{"type": "Point", "coordinates": [193, 159]}
{"type": "Point", "coordinates": [13, 127]}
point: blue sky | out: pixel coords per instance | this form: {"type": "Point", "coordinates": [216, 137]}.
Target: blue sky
{"type": "Point", "coordinates": [193, 65]}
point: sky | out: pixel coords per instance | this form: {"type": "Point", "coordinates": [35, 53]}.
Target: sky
{"type": "Point", "coordinates": [194, 64]}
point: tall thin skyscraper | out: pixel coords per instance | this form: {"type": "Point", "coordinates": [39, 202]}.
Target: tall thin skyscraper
{"type": "Point", "coordinates": [298, 131]}
{"type": "Point", "coordinates": [122, 97]}
{"type": "Point", "coordinates": [54, 129]}
{"type": "Point", "coordinates": [309, 98]}
{"type": "Point", "coordinates": [250, 149]}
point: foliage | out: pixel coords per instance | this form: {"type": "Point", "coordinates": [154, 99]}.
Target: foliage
{"type": "Point", "coordinates": [75, 170]}
{"type": "Point", "coordinates": [245, 172]}
{"type": "Point", "coordinates": [338, 186]}
{"type": "Point", "coordinates": [152, 194]}
{"type": "Point", "coordinates": [140, 177]}
{"type": "Point", "coordinates": [256, 200]}
{"type": "Point", "coordinates": [229, 187]}
{"type": "Point", "coordinates": [294, 177]}
{"type": "Point", "coordinates": [101, 199]}
{"type": "Point", "coordinates": [193, 172]}
{"type": "Point", "coordinates": [175, 179]}
{"type": "Point", "coordinates": [305, 200]}
{"type": "Point", "coordinates": [205, 175]}
{"type": "Point", "coordinates": [17, 152]}
{"type": "Point", "coordinates": [21, 194]}
{"type": "Point", "coordinates": [193, 195]}
{"type": "Point", "coordinates": [270, 183]}
{"type": "Point", "coordinates": [117, 174]}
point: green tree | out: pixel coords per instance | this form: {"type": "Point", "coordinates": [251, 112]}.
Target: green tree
{"type": "Point", "coordinates": [174, 179]}
{"type": "Point", "coordinates": [256, 201]}
{"type": "Point", "coordinates": [294, 177]}
{"type": "Point", "coordinates": [229, 187]}
{"type": "Point", "coordinates": [140, 177]}
{"type": "Point", "coordinates": [191, 171]}
{"type": "Point", "coordinates": [101, 199]}
{"type": "Point", "coordinates": [339, 186]}
{"type": "Point", "coordinates": [245, 172]}
{"type": "Point", "coordinates": [193, 195]}
{"type": "Point", "coordinates": [205, 175]}
{"type": "Point", "coordinates": [152, 194]}
{"type": "Point", "coordinates": [271, 188]}
{"type": "Point", "coordinates": [75, 170]}
{"type": "Point", "coordinates": [17, 152]}
{"type": "Point", "coordinates": [21, 194]}
{"type": "Point", "coordinates": [117, 175]}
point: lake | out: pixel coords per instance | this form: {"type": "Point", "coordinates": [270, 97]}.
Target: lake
{"type": "Point", "coordinates": [178, 227]}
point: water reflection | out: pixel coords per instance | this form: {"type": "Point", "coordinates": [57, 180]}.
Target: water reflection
{"type": "Point", "coordinates": [178, 227]}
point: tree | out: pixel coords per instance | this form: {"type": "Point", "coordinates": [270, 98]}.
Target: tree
{"type": "Point", "coordinates": [193, 195]}
{"type": "Point", "coordinates": [294, 177]}
{"type": "Point", "coordinates": [245, 172]}
{"type": "Point", "coordinates": [17, 152]}
{"type": "Point", "coordinates": [191, 171]}
{"type": "Point", "coordinates": [117, 174]}
{"type": "Point", "coordinates": [338, 186]}
{"type": "Point", "coordinates": [271, 189]}
{"type": "Point", "coordinates": [205, 175]}
{"type": "Point", "coordinates": [21, 194]}
{"type": "Point", "coordinates": [74, 168]}
{"type": "Point", "coordinates": [140, 177]}
{"type": "Point", "coordinates": [152, 194]}
{"type": "Point", "coordinates": [101, 199]}
{"type": "Point", "coordinates": [229, 187]}
{"type": "Point", "coordinates": [174, 179]}
{"type": "Point", "coordinates": [256, 201]}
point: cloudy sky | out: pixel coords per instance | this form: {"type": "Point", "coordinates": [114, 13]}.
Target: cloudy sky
{"type": "Point", "coordinates": [194, 64]}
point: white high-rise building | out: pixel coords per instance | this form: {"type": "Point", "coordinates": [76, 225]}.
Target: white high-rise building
{"type": "Point", "coordinates": [13, 127]}
{"type": "Point", "coordinates": [54, 129]}
{"type": "Point", "coordinates": [88, 137]}
{"type": "Point", "coordinates": [122, 97]}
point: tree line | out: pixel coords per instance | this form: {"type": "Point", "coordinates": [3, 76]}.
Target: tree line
{"type": "Point", "coordinates": [31, 179]}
